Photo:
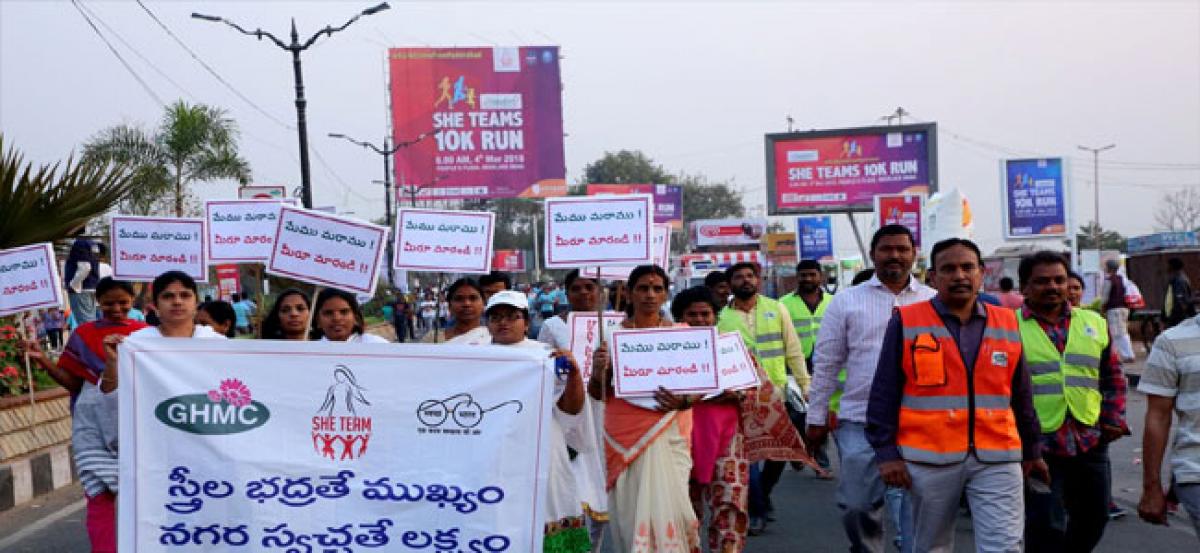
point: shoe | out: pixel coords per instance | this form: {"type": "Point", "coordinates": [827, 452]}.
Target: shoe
{"type": "Point", "coordinates": [758, 525]}
{"type": "Point", "coordinates": [1115, 512]}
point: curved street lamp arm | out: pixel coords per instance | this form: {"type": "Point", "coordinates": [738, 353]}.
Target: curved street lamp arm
{"type": "Point", "coordinates": [258, 33]}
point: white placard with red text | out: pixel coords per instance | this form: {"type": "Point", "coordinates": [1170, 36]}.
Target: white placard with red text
{"type": "Point", "coordinates": [145, 247]}
{"type": "Point", "coordinates": [586, 335]}
{"type": "Point", "coordinates": [29, 279]}
{"type": "Point", "coordinates": [327, 250]}
{"type": "Point", "coordinates": [680, 359]}
{"type": "Point", "coordinates": [444, 240]}
{"type": "Point", "coordinates": [241, 231]}
{"type": "Point", "coordinates": [586, 231]}
{"type": "Point", "coordinates": [737, 370]}
{"type": "Point", "coordinates": [660, 246]}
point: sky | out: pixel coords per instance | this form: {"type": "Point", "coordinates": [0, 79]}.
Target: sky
{"type": "Point", "coordinates": [694, 85]}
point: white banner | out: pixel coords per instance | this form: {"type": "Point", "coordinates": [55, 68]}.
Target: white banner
{"type": "Point", "coordinates": [682, 360]}
{"type": "Point", "coordinates": [586, 335]}
{"type": "Point", "coordinates": [660, 247]}
{"type": "Point", "coordinates": [728, 232]}
{"type": "Point", "coordinates": [319, 446]}
{"type": "Point", "coordinates": [145, 247]}
{"type": "Point", "coordinates": [327, 250]}
{"type": "Point", "coordinates": [262, 192]}
{"type": "Point", "coordinates": [29, 279]}
{"type": "Point", "coordinates": [737, 368]}
{"type": "Point", "coordinates": [444, 241]}
{"type": "Point", "coordinates": [606, 230]}
{"type": "Point", "coordinates": [241, 231]}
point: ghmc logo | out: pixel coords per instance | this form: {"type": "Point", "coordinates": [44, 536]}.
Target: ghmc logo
{"type": "Point", "coordinates": [229, 409]}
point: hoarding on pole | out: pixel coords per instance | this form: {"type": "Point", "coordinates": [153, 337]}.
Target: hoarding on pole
{"type": "Point", "coordinates": [901, 209]}
{"type": "Point", "coordinates": [814, 237]}
{"type": "Point", "coordinates": [727, 232]}
{"type": "Point", "coordinates": [262, 192]}
{"type": "Point", "coordinates": [511, 261]}
{"type": "Point", "coordinates": [843, 170]}
{"type": "Point", "coordinates": [1035, 198]}
{"type": "Point", "coordinates": [668, 199]}
{"type": "Point", "coordinates": [497, 113]}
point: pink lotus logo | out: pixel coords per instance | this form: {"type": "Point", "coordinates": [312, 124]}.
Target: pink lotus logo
{"type": "Point", "coordinates": [231, 391]}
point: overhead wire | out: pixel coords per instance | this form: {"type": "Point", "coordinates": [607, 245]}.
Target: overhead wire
{"type": "Point", "coordinates": [212, 71]}
{"type": "Point", "coordinates": [145, 86]}
{"type": "Point", "coordinates": [135, 51]}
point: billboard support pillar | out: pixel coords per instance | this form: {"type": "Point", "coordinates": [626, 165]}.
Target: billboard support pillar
{"type": "Point", "coordinates": [858, 238]}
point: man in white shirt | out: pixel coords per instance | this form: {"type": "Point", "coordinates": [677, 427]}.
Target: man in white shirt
{"type": "Point", "coordinates": [850, 337]}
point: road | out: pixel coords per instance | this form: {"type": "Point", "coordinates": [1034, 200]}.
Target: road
{"type": "Point", "coordinates": [807, 514]}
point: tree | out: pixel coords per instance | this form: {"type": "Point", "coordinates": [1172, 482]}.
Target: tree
{"type": "Point", "coordinates": [625, 167]}
{"type": "Point", "coordinates": [1109, 239]}
{"type": "Point", "coordinates": [51, 202]}
{"type": "Point", "coordinates": [193, 143]}
{"type": "Point", "coordinates": [1179, 210]}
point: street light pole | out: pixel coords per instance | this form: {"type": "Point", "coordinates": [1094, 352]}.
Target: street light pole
{"type": "Point", "coordinates": [1096, 180]}
{"type": "Point", "coordinates": [295, 47]}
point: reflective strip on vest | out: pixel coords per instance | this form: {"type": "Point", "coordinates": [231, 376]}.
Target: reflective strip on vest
{"type": "Point", "coordinates": [911, 333]}
{"type": "Point", "coordinates": [1068, 381]}
{"type": "Point", "coordinates": [937, 403]}
{"type": "Point", "coordinates": [770, 337]}
{"type": "Point", "coordinates": [1001, 334]}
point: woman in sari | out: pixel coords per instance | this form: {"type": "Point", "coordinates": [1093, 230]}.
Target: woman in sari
{"type": "Point", "coordinates": [466, 305]}
{"type": "Point", "coordinates": [647, 449]}
{"type": "Point", "coordinates": [722, 428]}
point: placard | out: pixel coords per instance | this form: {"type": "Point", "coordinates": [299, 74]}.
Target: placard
{"type": "Point", "coordinates": [241, 231]}
{"type": "Point", "coordinates": [668, 199]}
{"type": "Point", "coordinates": [737, 370]}
{"type": "Point", "coordinates": [29, 279]}
{"type": "Point", "coordinates": [444, 241]}
{"type": "Point", "coordinates": [260, 445]}
{"type": "Point", "coordinates": [145, 247]}
{"type": "Point", "coordinates": [682, 360]}
{"type": "Point", "coordinates": [586, 335]}
{"type": "Point", "coordinates": [327, 250]}
{"type": "Point", "coordinates": [661, 247]}
{"type": "Point", "coordinates": [583, 231]}
{"type": "Point", "coordinates": [905, 210]}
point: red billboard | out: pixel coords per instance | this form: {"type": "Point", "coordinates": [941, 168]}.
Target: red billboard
{"type": "Point", "coordinates": [497, 117]}
{"type": "Point", "coordinates": [512, 261]}
{"type": "Point", "coordinates": [843, 170]}
{"type": "Point", "coordinates": [901, 209]}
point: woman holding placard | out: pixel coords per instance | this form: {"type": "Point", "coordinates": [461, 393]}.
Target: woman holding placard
{"type": "Point", "coordinates": [648, 476]}
{"type": "Point", "coordinates": [288, 318]}
{"type": "Point", "coordinates": [729, 432]}
{"type": "Point", "coordinates": [583, 295]}
{"type": "Point", "coordinates": [339, 319]}
{"type": "Point", "coordinates": [466, 305]}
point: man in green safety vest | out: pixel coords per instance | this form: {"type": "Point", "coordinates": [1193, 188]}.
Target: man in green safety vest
{"type": "Point", "coordinates": [767, 330]}
{"type": "Point", "coordinates": [1079, 395]}
{"type": "Point", "coordinates": [807, 305]}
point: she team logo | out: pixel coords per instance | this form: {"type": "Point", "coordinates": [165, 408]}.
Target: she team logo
{"type": "Point", "coordinates": [229, 409]}
{"type": "Point", "coordinates": [339, 430]}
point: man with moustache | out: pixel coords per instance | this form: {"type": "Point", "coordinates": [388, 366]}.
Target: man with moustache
{"type": "Point", "coordinates": [849, 339]}
{"type": "Point", "coordinates": [1079, 393]}
{"type": "Point", "coordinates": [766, 328]}
{"type": "Point", "coordinates": [951, 409]}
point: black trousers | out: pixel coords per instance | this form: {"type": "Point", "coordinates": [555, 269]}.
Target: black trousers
{"type": "Point", "coordinates": [1073, 515]}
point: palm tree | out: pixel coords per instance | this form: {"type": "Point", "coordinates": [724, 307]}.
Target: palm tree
{"type": "Point", "coordinates": [43, 204]}
{"type": "Point", "coordinates": [192, 143]}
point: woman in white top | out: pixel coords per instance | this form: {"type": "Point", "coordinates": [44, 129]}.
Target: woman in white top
{"type": "Point", "coordinates": [94, 422]}
{"type": "Point", "coordinates": [583, 294]}
{"type": "Point", "coordinates": [466, 304]}
{"type": "Point", "coordinates": [565, 529]}
{"type": "Point", "coordinates": [339, 319]}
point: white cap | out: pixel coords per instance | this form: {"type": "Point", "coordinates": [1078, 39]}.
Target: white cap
{"type": "Point", "coordinates": [510, 298]}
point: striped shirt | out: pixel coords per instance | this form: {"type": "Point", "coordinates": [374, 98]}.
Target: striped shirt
{"type": "Point", "coordinates": [1173, 370]}
{"type": "Point", "coordinates": [851, 335]}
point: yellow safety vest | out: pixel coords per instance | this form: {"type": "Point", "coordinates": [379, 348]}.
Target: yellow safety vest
{"type": "Point", "coordinates": [1067, 381]}
{"type": "Point", "coordinates": [807, 323]}
{"type": "Point", "coordinates": [766, 344]}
